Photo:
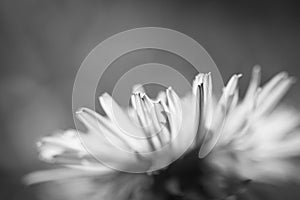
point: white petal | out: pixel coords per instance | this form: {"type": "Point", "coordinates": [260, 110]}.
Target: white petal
{"type": "Point", "coordinates": [119, 116]}
{"type": "Point", "coordinates": [269, 102]}
{"type": "Point", "coordinates": [63, 173]}
{"type": "Point", "coordinates": [270, 85]}
{"type": "Point", "coordinates": [254, 83]}
{"type": "Point", "coordinates": [258, 141]}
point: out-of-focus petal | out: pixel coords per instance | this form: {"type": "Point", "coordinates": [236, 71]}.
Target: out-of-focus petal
{"type": "Point", "coordinates": [64, 174]}
{"type": "Point", "coordinates": [108, 187]}
{"type": "Point", "coordinates": [259, 141]}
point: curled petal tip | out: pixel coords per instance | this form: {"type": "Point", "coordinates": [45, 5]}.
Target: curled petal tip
{"type": "Point", "coordinates": [138, 93]}
{"type": "Point", "coordinates": [138, 88]}
{"type": "Point", "coordinates": [239, 75]}
{"type": "Point", "coordinates": [80, 111]}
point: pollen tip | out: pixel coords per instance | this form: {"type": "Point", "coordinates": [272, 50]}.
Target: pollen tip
{"type": "Point", "coordinates": [257, 68]}
{"type": "Point", "coordinates": [134, 94]}
{"type": "Point", "coordinates": [137, 88]}
{"type": "Point", "coordinates": [142, 95]}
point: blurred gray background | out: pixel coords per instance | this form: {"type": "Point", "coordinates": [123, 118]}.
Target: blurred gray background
{"type": "Point", "coordinates": [42, 44]}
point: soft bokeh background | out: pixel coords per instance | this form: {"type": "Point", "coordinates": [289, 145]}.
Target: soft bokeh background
{"type": "Point", "coordinates": [42, 44]}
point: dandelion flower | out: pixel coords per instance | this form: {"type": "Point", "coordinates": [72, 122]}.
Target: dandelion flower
{"type": "Point", "coordinates": [222, 144]}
